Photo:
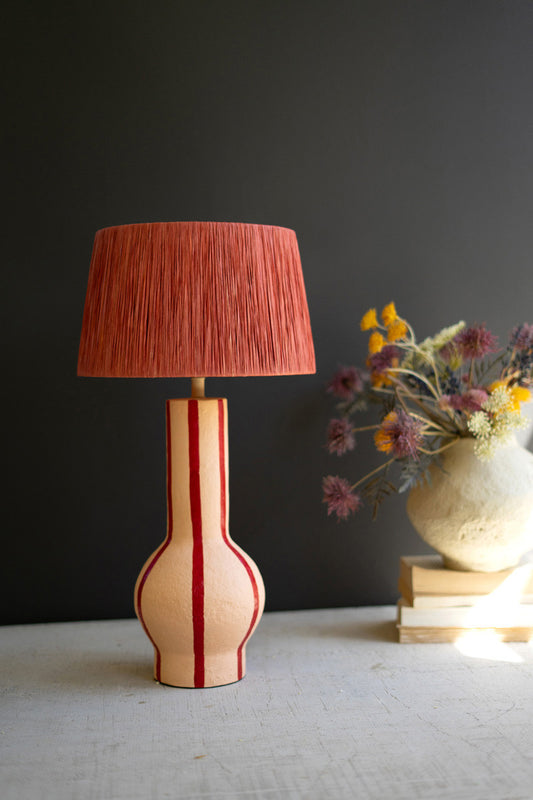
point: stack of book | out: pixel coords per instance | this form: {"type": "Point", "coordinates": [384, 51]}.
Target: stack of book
{"type": "Point", "coordinates": [441, 605]}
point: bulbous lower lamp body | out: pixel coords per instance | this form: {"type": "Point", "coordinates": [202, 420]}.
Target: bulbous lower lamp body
{"type": "Point", "coordinates": [199, 597]}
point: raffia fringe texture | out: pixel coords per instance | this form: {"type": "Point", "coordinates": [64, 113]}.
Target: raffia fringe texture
{"type": "Point", "coordinates": [195, 299]}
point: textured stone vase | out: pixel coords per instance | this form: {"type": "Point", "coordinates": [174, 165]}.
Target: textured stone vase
{"type": "Point", "coordinates": [477, 514]}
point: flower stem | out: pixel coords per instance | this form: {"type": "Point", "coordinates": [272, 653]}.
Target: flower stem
{"type": "Point", "coordinates": [471, 374]}
{"type": "Point", "coordinates": [441, 433]}
{"type": "Point", "coordinates": [369, 475]}
{"type": "Point", "coordinates": [417, 376]}
{"type": "Point", "coordinates": [420, 404]}
{"type": "Point", "coordinates": [366, 428]}
{"type": "Point", "coordinates": [426, 422]}
{"type": "Point", "coordinates": [440, 449]}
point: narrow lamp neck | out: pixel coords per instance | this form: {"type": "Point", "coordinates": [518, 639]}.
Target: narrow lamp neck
{"type": "Point", "coordinates": [197, 387]}
{"type": "Point", "coordinates": [197, 468]}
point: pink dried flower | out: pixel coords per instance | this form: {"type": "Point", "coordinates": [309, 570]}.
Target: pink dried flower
{"type": "Point", "coordinates": [346, 382]}
{"type": "Point", "coordinates": [400, 434]}
{"type": "Point", "coordinates": [522, 337]}
{"type": "Point", "coordinates": [383, 360]}
{"type": "Point", "coordinates": [340, 436]}
{"type": "Point", "coordinates": [453, 401]}
{"type": "Point", "coordinates": [473, 399]}
{"type": "Point", "coordinates": [339, 496]}
{"type": "Point", "coordinates": [476, 342]}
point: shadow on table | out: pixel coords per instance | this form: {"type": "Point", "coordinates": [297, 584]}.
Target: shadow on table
{"type": "Point", "coordinates": [88, 672]}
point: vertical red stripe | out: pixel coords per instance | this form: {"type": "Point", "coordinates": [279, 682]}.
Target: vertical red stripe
{"type": "Point", "coordinates": [223, 513]}
{"type": "Point", "coordinates": [197, 549]}
{"type": "Point", "coordinates": [159, 553]}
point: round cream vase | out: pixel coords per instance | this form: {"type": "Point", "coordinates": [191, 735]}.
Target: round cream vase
{"type": "Point", "coordinates": [477, 514]}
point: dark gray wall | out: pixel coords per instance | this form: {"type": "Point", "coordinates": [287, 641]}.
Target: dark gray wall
{"type": "Point", "coordinates": [394, 136]}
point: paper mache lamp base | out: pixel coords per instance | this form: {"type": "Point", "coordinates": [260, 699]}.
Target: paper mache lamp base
{"type": "Point", "coordinates": [199, 597]}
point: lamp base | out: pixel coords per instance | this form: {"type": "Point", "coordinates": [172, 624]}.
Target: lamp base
{"type": "Point", "coordinates": [199, 597]}
{"type": "Point", "coordinates": [221, 670]}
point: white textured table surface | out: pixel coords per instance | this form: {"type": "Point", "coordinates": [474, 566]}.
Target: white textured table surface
{"type": "Point", "coordinates": [332, 707]}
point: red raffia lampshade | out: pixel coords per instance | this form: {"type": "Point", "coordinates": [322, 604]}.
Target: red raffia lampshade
{"type": "Point", "coordinates": [195, 299]}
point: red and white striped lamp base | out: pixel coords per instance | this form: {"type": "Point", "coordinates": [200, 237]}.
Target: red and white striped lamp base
{"type": "Point", "coordinates": [199, 597]}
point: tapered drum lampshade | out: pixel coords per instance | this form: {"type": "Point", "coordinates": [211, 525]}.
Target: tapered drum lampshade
{"type": "Point", "coordinates": [196, 299]}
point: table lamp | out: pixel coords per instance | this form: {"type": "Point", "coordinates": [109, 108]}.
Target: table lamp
{"type": "Point", "coordinates": [196, 299]}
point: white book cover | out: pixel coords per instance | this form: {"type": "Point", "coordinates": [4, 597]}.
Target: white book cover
{"type": "Point", "coordinates": [484, 614]}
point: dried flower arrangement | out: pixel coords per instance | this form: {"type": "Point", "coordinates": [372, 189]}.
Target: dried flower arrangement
{"type": "Point", "coordinates": [453, 385]}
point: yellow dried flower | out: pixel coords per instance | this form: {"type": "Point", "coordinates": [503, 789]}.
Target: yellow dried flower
{"type": "Point", "coordinates": [379, 379]}
{"type": "Point", "coordinates": [375, 343]}
{"type": "Point", "coordinates": [520, 394]}
{"type": "Point", "coordinates": [383, 441]}
{"type": "Point", "coordinates": [496, 385]}
{"type": "Point", "coordinates": [389, 315]}
{"type": "Point", "coordinates": [369, 320]}
{"type": "Point", "coordinates": [515, 394]}
{"type": "Point", "coordinates": [396, 330]}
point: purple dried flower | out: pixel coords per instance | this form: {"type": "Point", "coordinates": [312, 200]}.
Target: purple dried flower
{"type": "Point", "coordinates": [400, 434]}
{"type": "Point", "coordinates": [346, 382]}
{"type": "Point", "coordinates": [340, 436]}
{"type": "Point", "coordinates": [522, 337]}
{"type": "Point", "coordinates": [454, 401]}
{"type": "Point", "coordinates": [339, 496]}
{"type": "Point", "coordinates": [476, 342]}
{"type": "Point", "coordinates": [473, 399]}
{"type": "Point", "coordinates": [383, 360]}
